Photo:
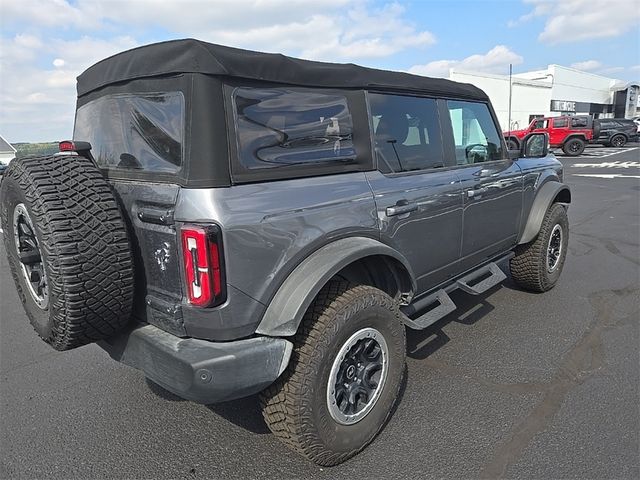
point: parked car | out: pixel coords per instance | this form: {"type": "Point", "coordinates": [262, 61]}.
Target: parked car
{"type": "Point", "coordinates": [616, 132]}
{"type": "Point", "coordinates": [570, 133]}
{"type": "Point", "coordinates": [236, 222]}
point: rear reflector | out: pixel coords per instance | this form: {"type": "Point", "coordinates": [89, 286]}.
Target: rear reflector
{"type": "Point", "coordinates": [66, 146]}
{"type": "Point", "coordinates": [202, 257]}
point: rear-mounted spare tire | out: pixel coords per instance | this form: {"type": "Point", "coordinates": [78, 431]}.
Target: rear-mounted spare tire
{"type": "Point", "coordinates": [68, 249]}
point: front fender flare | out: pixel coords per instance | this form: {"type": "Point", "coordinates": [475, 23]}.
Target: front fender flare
{"type": "Point", "coordinates": [545, 196]}
{"type": "Point", "coordinates": [284, 314]}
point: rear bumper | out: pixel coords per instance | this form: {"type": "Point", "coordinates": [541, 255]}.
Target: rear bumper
{"type": "Point", "coordinates": [199, 370]}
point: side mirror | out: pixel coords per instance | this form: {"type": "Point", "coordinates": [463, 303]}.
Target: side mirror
{"type": "Point", "coordinates": [535, 145]}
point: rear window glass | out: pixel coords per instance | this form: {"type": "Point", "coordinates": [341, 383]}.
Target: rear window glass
{"type": "Point", "coordinates": [608, 124]}
{"type": "Point", "coordinates": [134, 131]}
{"type": "Point", "coordinates": [579, 122]}
{"type": "Point", "coordinates": [280, 127]}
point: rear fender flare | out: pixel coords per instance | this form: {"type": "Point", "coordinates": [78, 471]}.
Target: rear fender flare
{"type": "Point", "coordinates": [284, 314]}
{"type": "Point", "coordinates": [541, 203]}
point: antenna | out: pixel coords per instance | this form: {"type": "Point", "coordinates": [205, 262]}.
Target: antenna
{"type": "Point", "coordinates": [509, 128]}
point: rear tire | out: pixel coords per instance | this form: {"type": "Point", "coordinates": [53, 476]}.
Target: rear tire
{"type": "Point", "coordinates": [618, 141]}
{"type": "Point", "coordinates": [537, 265]}
{"type": "Point", "coordinates": [512, 144]}
{"type": "Point", "coordinates": [67, 248]}
{"type": "Point", "coordinates": [574, 147]}
{"type": "Point", "coordinates": [308, 407]}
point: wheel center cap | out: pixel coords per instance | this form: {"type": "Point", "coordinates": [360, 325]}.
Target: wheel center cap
{"type": "Point", "coordinates": [351, 371]}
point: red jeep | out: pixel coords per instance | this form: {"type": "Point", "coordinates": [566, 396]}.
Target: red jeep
{"type": "Point", "coordinates": [571, 133]}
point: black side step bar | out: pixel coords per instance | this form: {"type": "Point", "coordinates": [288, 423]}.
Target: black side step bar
{"type": "Point", "coordinates": [445, 307]}
{"type": "Point", "coordinates": [495, 276]}
{"type": "Point", "coordinates": [440, 303]}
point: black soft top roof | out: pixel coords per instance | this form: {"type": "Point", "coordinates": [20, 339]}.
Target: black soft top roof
{"type": "Point", "coordinates": [194, 56]}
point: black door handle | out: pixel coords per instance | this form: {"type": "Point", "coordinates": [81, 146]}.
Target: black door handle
{"type": "Point", "coordinates": [401, 209]}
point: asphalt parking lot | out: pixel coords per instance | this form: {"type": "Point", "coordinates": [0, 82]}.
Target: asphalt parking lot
{"type": "Point", "coordinates": [513, 384]}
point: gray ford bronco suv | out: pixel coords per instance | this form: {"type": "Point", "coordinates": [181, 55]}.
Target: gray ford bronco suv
{"type": "Point", "coordinates": [232, 222]}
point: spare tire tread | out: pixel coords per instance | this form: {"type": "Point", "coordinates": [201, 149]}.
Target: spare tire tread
{"type": "Point", "coordinates": [85, 241]}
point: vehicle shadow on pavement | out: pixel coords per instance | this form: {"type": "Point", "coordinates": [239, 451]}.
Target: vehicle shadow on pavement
{"type": "Point", "coordinates": [471, 309]}
{"type": "Point", "coordinates": [243, 412]}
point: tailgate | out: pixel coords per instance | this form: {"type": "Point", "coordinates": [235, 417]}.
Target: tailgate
{"type": "Point", "coordinates": [148, 208]}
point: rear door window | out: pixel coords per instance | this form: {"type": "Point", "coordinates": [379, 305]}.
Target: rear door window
{"type": "Point", "coordinates": [142, 132]}
{"type": "Point", "coordinates": [560, 123]}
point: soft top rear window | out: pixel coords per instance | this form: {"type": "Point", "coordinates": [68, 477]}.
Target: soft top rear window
{"type": "Point", "coordinates": [136, 132]}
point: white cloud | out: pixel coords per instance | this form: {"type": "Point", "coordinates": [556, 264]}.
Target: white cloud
{"type": "Point", "coordinates": [576, 20]}
{"type": "Point", "coordinates": [496, 60]}
{"type": "Point", "coordinates": [38, 71]}
{"type": "Point", "coordinates": [38, 103]}
{"type": "Point", "coordinates": [335, 29]}
{"type": "Point", "coordinates": [587, 65]}
{"type": "Point", "coordinates": [610, 70]}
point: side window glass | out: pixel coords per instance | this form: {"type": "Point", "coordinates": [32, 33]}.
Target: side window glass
{"type": "Point", "coordinates": [141, 131]}
{"type": "Point", "coordinates": [406, 132]}
{"type": "Point", "coordinates": [560, 122]}
{"type": "Point", "coordinates": [579, 122]}
{"type": "Point", "coordinates": [475, 134]}
{"type": "Point", "coordinates": [279, 127]}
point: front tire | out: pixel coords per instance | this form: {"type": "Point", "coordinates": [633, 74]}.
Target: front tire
{"type": "Point", "coordinates": [512, 144]}
{"type": "Point", "coordinates": [344, 375]}
{"type": "Point", "coordinates": [537, 265]}
{"type": "Point", "coordinates": [574, 147]}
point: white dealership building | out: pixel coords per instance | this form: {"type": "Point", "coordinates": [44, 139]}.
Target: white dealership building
{"type": "Point", "coordinates": [557, 90]}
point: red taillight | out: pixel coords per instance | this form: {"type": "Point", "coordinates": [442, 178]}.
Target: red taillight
{"type": "Point", "coordinates": [201, 250]}
{"type": "Point", "coordinates": [66, 146]}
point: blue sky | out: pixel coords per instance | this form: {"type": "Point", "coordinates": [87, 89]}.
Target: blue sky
{"type": "Point", "coordinates": [45, 44]}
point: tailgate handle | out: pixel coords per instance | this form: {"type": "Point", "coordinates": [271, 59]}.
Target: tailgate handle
{"type": "Point", "coordinates": [159, 216]}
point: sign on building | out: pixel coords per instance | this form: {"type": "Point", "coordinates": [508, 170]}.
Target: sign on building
{"type": "Point", "coordinates": [563, 106]}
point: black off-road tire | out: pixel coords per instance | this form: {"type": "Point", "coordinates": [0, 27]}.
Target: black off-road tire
{"type": "Point", "coordinates": [574, 147]}
{"type": "Point", "coordinates": [618, 141]}
{"type": "Point", "coordinates": [83, 246]}
{"type": "Point", "coordinates": [529, 267]}
{"type": "Point", "coordinates": [296, 408]}
{"type": "Point", "coordinates": [512, 144]}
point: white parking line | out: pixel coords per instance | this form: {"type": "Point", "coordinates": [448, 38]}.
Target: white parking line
{"type": "Point", "coordinates": [615, 164]}
{"type": "Point", "coordinates": [605, 152]}
{"type": "Point", "coordinates": [605, 175]}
